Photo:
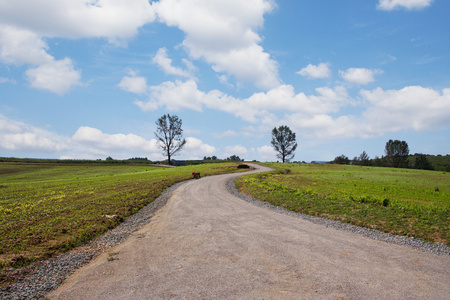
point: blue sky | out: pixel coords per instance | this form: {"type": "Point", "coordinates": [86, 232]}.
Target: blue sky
{"type": "Point", "coordinates": [88, 79]}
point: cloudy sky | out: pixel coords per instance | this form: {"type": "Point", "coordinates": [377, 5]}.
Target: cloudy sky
{"type": "Point", "coordinates": [89, 78]}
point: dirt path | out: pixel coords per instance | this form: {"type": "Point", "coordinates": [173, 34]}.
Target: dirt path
{"type": "Point", "coordinates": [207, 244]}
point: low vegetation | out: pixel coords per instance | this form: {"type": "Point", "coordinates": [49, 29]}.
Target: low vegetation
{"type": "Point", "coordinates": [47, 209]}
{"type": "Point", "coordinates": [399, 201]}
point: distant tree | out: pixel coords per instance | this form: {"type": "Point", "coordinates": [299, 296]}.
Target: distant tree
{"type": "Point", "coordinates": [422, 163]}
{"type": "Point", "coordinates": [283, 141]}
{"type": "Point", "coordinates": [214, 157]}
{"type": "Point", "coordinates": [379, 161]}
{"type": "Point", "coordinates": [341, 160]}
{"type": "Point", "coordinates": [234, 158]}
{"type": "Point", "coordinates": [364, 159]}
{"type": "Point", "coordinates": [109, 158]}
{"type": "Point", "coordinates": [169, 135]}
{"type": "Point", "coordinates": [397, 153]}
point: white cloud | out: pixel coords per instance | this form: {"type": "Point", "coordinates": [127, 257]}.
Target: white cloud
{"type": "Point", "coordinates": [174, 95]}
{"type": "Point", "coordinates": [56, 76]}
{"type": "Point", "coordinates": [238, 150]}
{"type": "Point", "coordinates": [181, 95]}
{"type": "Point", "coordinates": [223, 34]}
{"type": "Point", "coordinates": [20, 46]}
{"type": "Point", "coordinates": [224, 80]}
{"type": "Point", "coordinates": [19, 136]}
{"type": "Point", "coordinates": [25, 24]}
{"type": "Point", "coordinates": [266, 153]}
{"type": "Point", "coordinates": [115, 20]}
{"type": "Point", "coordinates": [165, 63]}
{"type": "Point", "coordinates": [408, 4]}
{"type": "Point", "coordinates": [196, 149]}
{"type": "Point", "coordinates": [95, 138]}
{"type": "Point", "coordinates": [359, 75]}
{"type": "Point", "coordinates": [413, 107]}
{"type": "Point", "coordinates": [320, 71]}
{"type": "Point", "coordinates": [134, 84]}
{"type": "Point", "coordinates": [323, 126]}
{"type": "Point", "coordinates": [97, 143]}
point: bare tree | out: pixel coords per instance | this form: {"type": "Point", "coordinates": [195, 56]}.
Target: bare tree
{"type": "Point", "coordinates": [283, 141]}
{"type": "Point", "coordinates": [169, 134]}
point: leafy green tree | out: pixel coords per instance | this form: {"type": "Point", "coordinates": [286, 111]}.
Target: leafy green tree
{"type": "Point", "coordinates": [283, 141]}
{"type": "Point", "coordinates": [341, 160]}
{"type": "Point", "coordinates": [234, 158]}
{"type": "Point", "coordinates": [364, 159]}
{"type": "Point", "coordinates": [422, 163]}
{"type": "Point", "coordinates": [170, 135]}
{"type": "Point", "coordinates": [397, 153]}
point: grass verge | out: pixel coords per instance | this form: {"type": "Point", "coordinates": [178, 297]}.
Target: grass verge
{"type": "Point", "coordinates": [399, 201]}
{"type": "Point", "coordinates": [46, 209]}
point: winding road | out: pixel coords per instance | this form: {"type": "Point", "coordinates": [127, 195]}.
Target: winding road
{"type": "Point", "coordinates": [207, 244]}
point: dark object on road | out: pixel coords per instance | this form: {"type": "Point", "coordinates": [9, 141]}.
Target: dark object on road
{"type": "Point", "coordinates": [196, 175]}
{"type": "Point", "coordinates": [243, 167]}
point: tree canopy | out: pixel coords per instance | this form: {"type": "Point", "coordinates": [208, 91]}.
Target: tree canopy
{"type": "Point", "coordinates": [283, 141]}
{"type": "Point", "coordinates": [341, 160]}
{"type": "Point", "coordinates": [170, 135]}
{"type": "Point", "coordinates": [397, 153]}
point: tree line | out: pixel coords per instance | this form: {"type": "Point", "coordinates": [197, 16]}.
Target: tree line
{"type": "Point", "coordinates": [396, 156]}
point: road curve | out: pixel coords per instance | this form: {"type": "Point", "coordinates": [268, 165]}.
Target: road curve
{"type": "Point", "coordinates": [207, 244]}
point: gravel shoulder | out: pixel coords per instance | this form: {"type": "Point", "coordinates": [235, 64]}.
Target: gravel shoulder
{"type": "Point", "coordinates": [208, 243]}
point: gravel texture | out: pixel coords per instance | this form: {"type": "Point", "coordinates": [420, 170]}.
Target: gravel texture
{"type": "Point", "coordinates": [49, 274]}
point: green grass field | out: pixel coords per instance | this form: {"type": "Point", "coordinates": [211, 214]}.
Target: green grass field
{"type": "Point", "coordinates": [400, 201]}
{"type": "Point", "coordinates": [47, 209]}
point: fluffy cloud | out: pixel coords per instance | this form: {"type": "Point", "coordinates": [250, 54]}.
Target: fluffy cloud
{"type": "Point", "coordinates": [181, 95]}
{"type": "Point", "coordinates": [323, 126]}
{"type": "Point", "coordinates": [266, 153]}
{"type": "Point", "coordinates": [133, 84]}
{"type": "Point", "coordinates": [196, 149]}
{"type": "Point", "coordinates": [413, 107]}
{"type": "Point", "coordinates": [408, 4]}
{"type": "Point", "coordinates": [165, 63]}
{"type": "Point", "coordinates": [114, 20]}
{"type": "Point", "coordinates": [19, 136]}
{"type": "Point", "coordinates": [24, 25]}
{"type": "Point", "coordinates": [18, 46]}
{"type": "Point", "coordinates": [360, 75]}
{"type": "Point", "coordinates": [175, 96]}
{"type": "Point", "coordinates": [238, 150]}
{"type": "Point", "coordinates": [95, 138]}
{"type": "Point", "coordinates": [57, 76]}
{"type": "Point", "coordinates": [223, 34]}
{"type": "Point", "coordinates": [96, 142]}
{"type": "Point", "coordinates": [313, 72]}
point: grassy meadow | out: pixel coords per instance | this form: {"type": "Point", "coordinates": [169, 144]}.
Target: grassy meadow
{"type": "Point", "coordinates": [399, 201]}
{"type": "Point", "coordinates": [47, 209]}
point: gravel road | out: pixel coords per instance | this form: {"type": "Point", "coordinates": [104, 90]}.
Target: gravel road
{"type": "Point", "coordinates": [205, 243]}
